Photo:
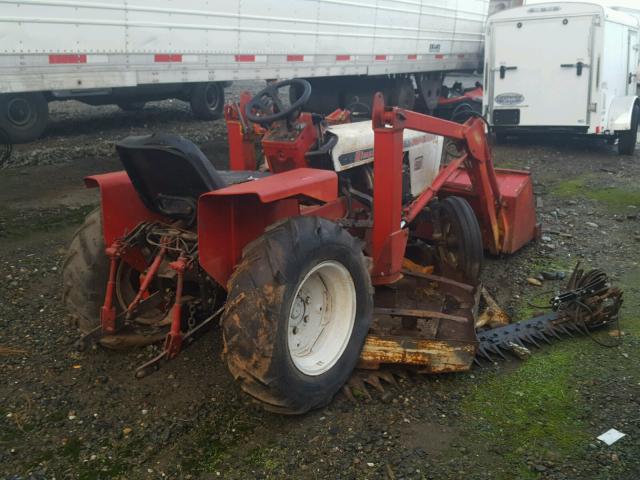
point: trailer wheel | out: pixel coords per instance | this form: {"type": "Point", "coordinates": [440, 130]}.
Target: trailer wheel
{"type": "Point", "coordinates": [24, 116]}
{"type": "Point", "coordinates": [460, 252]}
{"type": "Point", "coordinates": [207, 101]}
{"type": "Point", "coordinates": [298, 311]}
{"type": "Point", "coordinates": [132, 106]}
{"type": "Point", "coordinates": [85, 273]}
{"type": "Point", "coordinates": [627, 139]}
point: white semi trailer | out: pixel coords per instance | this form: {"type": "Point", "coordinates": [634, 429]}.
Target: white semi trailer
{"type": "Point", "coordinates": [564, 67]}
{"type": "Point", "coordinates": [128, 52]}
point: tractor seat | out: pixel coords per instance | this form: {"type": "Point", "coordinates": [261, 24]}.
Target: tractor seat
{"type": "Point", "coordinates": [170, 172]}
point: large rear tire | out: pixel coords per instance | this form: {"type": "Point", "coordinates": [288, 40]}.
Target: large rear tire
{"type": "Point", "coordinates": [298, 310]}
{"type": "Point", "coordinates": [24, 116]}
{"type": "Point", "coordinates": [627, 140]}
{"type": "Point", "coordinates": [85, 273]}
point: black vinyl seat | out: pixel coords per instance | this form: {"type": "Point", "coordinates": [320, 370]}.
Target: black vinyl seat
{"type": "Point", "coordinates": [170, 172]}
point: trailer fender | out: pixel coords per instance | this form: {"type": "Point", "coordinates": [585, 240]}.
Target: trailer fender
{"type": "Point", "coordinates": [620, 111]}
{"type": "Point", "coordinates": [232, 217]}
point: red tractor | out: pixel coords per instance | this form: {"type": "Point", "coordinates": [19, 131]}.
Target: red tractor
{"type": "Point", "coordinates": [353, 247]}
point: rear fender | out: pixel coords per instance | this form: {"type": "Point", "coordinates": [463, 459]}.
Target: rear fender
{"type": "Point", "coordinates": [232, 217]}
{"type": "Point", "coordinates": [620, 112]}
{"type": "Point", "coordinates": [122, 209]}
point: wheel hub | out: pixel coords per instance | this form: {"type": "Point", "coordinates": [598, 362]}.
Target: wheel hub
{"type": "Point", "coordinates": [321, 318]}
{"type": "Point", "coordinates": [19, 112]}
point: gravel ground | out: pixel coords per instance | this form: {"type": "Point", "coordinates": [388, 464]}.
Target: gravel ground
{"type": "Point", "coordinates": [82, 415]}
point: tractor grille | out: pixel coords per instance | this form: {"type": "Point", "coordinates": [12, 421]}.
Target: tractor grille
{"type": "Point", "coordinates": [506, 117]}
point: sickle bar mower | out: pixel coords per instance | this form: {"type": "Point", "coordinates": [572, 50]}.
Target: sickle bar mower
{"type": "Point", "coordinates": [352, 245]}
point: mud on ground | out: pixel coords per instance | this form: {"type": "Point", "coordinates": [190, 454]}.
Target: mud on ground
{"type": "Point", "coordinates": [65, 414]}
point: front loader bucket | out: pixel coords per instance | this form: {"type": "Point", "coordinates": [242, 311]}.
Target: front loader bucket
{"type": "Point", "coordinates": [423, 321]}
{"type": "Point", "coordinates": [518, 206]}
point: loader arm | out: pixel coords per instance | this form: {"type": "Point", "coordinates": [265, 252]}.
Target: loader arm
{"type": "Point", "coordinates": [473, 173]}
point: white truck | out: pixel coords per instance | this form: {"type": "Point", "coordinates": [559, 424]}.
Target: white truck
{"type": "Point", "coordinates": [563, 66]}
{"type": "Point", "coordinates": [127, 53]}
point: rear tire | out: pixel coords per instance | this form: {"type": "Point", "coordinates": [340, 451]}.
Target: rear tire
{"type": "Point", "coordinates": [275, 293]}
{"type": "Point", "coordinates": [85, 273]}
{"type": "Point", "coordinates": [24, 116]}
{"type": "Point", "coordinates": [460, 252]}
{"type": "Point", "coordinates": [627, 140]}
{"type": "Point", "coordinates": [207, 101]}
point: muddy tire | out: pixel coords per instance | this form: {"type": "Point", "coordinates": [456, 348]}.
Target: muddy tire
{"type": "Point", "coordinates": [627, 140]}
{"type": "Point", "coordinates": [85, 273]}
{"type": "Point", "coordinates": [24, 116]}
{"type": "Point", "coordinates": [298, 310]}
{"type": "Point", "coordinates": [460, 251]}
{"type": "Point", "coordinates": [207, 101]}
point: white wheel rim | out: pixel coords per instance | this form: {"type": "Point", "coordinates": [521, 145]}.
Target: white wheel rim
{"type": "Point", "coordinates": [321, 318]}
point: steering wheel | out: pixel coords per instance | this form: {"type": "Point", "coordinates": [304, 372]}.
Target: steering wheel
{"type": "Point", "coordinates": [267, 107]}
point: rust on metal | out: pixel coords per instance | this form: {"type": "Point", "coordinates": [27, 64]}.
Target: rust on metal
{"type": "Point", "coordinates": [409, 312]}
{"type": "Point", "coordinates": [432, 356]}
{"type": "Point", "coordinates": [492, 316]}
{"type": "Point", "coordinates": [436, 333]}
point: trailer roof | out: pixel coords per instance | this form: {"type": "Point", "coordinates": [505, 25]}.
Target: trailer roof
{"type": "Point", "coordinates": [538, 9]}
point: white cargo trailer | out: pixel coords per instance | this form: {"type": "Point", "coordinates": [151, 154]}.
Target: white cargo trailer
{"type": "Point", "coordinates": [563, 66]}
{"type": "Point", "coordinates": [123, 52]}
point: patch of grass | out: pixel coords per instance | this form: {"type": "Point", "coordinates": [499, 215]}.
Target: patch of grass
{"type": "Point", "coordinates": [630, 283]}
{"type": "Point", "coordinates": [536, 295]}
{"type": "Point", "coordinates": [216, 441]}
{"type": "Point", "coordinates": [261, 458]}
{"type": "Point", "coordinates": [585, 187]}
{"type": "Point", "coordinates": [530, 410]}
{"type": "Point", "coordinates": [72, 449]}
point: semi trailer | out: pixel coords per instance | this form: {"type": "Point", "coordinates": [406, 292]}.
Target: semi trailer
{"type": "Point", "coordinates": [124, 53]}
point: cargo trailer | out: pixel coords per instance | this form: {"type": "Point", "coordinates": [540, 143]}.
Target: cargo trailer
{"type": "Point", "coordinates": [563, 67]}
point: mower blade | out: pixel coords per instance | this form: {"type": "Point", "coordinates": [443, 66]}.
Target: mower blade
{"type": "Point", "coordinates": [544, 337]}
{"type": "Point", "coordinates": [356, 384]}
{"type": "Point", "coordinates": [374, 381]}
{"type": "Point", "coordinates": [388, 377]}
{"type": "Point", "coordinates": [495, 349]}
{"type": "Point", "coordinates": [530, 339]}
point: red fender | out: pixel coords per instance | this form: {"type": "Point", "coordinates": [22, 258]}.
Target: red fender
{"type": "Point", "coordinates": [230, 218]}
{"type": "Point", "coordinates": [122, 209]}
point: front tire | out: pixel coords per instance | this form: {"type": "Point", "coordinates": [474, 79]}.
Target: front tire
{"type": "Point", "coordinates": [207, 101]}
{"type": "Point", "coordinates": [627, 139]}
{"type": "Point", "coordinates": [460, 251]}
{"type": "Point", "coordinates": [24, 116]}
{"type": "Point", "coordinates": [298, 310]}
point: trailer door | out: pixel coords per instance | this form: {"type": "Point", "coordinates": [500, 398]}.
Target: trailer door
{"type": "Point", "coordinates": [541, 71]}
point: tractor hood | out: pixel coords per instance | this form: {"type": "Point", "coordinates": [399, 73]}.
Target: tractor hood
{"type": "Point", "coordinates": [354, 147]}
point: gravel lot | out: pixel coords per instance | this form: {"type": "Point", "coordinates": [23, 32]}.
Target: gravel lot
{"type": "Point", "coordinates": [72, 415]}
